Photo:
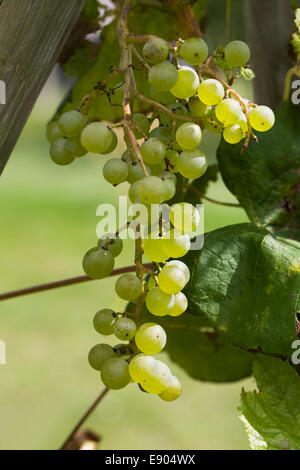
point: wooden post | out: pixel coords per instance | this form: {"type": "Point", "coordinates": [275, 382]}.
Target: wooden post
{"type": "Point", "coordinates": [32, 34]}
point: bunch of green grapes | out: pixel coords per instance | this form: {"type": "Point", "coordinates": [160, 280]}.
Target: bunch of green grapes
{"type": "Point", "coordinates": [189, 98]}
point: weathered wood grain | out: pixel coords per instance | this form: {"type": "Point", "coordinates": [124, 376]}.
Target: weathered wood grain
{"type": "Point", "coordinates": [32, 34]}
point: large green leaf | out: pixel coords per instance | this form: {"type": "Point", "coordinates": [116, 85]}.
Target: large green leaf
{"type": "Point", "coordinates": [247, 283]}
{"type": "Point", "coordinates": [272, 415]}
{"type": "Point", "coordinates": [266, 177]}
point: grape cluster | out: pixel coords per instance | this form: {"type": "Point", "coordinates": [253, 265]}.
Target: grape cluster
{"type": "Point", "coordinates": [188, 99]}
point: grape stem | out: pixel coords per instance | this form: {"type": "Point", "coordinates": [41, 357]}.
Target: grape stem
{"type": "Point", "coordinates": [84, 418]}
{"type": "Point", "coordinates": [65, 282]}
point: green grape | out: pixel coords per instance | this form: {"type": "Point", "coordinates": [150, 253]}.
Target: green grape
{"type": "Point", "coordinates": [135, 172]}
{"type": "Point", "coordinates": [197, 108]}
{"type": "Point", "coordinates": [173, 391]}
{"type": "Point", "coordinates": [243, 124]}
{"type": "Point", "coordinates": [176, 108]}
{"type": "Point", "coordinates": [143, 123]}
{"type": "Point", "coordinates": [176, 244]}
{"type": "Point", "coordinates": [180, 305]}
{"type": "Point", "coordinates": [153, 151]}
{"type": "Point", "coordinates": [229, 111]}
{"type": "Point", "coordinates": [141, 367]}
{"type": "Point", "coordinates": [96, 138]}
{"type": "Point", "coordinates": [71, 123]}
{"type": "Point", "coordinates": [160, 380]}
{"type": "Point", "coordinates": [170, 190]}
{"type": "Point", "coordinates": [115, 171]}
{"type": "Point", "coordinates": [193, 51]}
{"type": "Point", "coordinates": [151, 190]}
{"type": "Point", "coordinates": [128, 286]}
{"type": "Point", "coordinates": [261, 118]}
{"type": "Point", "coordinates": [155, 50]}
{"type": "Point", "coordinates": [188, 136]}
{"type": "Point", "coordinates": [99, 355]}
{"type": "Point", "coordinates": [172, 160]}
{"type": "Point", "coordinates": [156, 170]}
{"type": "Point", "coordinates": [113, 144]}
{"type": "Point", "coordinates": [162, 133]}
{"type": "Point", "coordinates": [171, 279]}
{"type": "Point", "coordinates": [233, 134]}
{"type": "Point", "coordinates": [104, 321]}
{"type": "Point", "coordinates": [237, 54]}
{"type": "Point", "coordinates": [58, 152]}
{"type": "Point", "coordinates": [74, 147]}
{"type": "Point", "coordinates": [98, 263]}
{"type": "Point", "coordinates": [187, 83]}
{"type": "Point", "coordinates": [133, 192]}
{"type": "Point", "coordinates": [184, 217]}
{"type": "Point", "coordinates": [124, 329]}
{"type": "Point", "coordinates": [158, 302]}
{"type": "Point", "coordinates": [154, 249]}
{"type": "Point", "coordinates": [192, 164]}
{"type": "Point", "coordinates": [150, 338]}
{"type": "Point", "coordinates": [163, 97]}
{"type": "Point", "coordinates": [211, 91]}
{"type": "Point", "coordinates": [53, 131]}
{"type": "Point", "coordinates": [151, 283]}
{"type": "Point", "coordinates": [111, 243]}
{"type": "Point", "coordinates": [180, 265]}
{"type": "Point", "coordinates": [163, 76]}
{"type": "Point", "coordinates": [115, 374]}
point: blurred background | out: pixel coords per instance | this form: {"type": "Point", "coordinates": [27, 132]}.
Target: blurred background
{"type": "Point", "coordinates": [48, 221]}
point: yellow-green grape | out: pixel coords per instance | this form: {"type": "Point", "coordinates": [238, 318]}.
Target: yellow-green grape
{"type": "Point", "coordinates": [124, 329]}
{"type": "Point", "coordinates": [104, 321]}
{"type": "Point", "coordinates": [151, 190]}
{"type": "Point", "coordinates": [237, 53]}
{"type": "Point", "coordinates": [128, 286]}
{"type": "Point", "coordinates": [187, 83]}
{"type": "Point", "coordinates": [177, 108]}
{"type": "Point", "coordinates": [154, 248]}
{"type": "Point", "coordinates": [151, 283]}
{"type": "Point", "coordinates": [143, 124]}
{"type": "Point", "coordinates": [113, 144]}
{"type": "Point", "coordinates": [184, 217]}
{"type": "Point", "coordinates": [141, 367]}
{"type": "Point", "coordinates": [176, 244]}
{"type": "Point", "coordinates": [180, 265]}
{"type": "Point", "coordinates": [229, 111]}
{"type": "Point", "coordinates": [261, 118]}
{"type": "Point", "coordinates": [180, 305]}
{"type": "Point", "coordinates": [99, 355]}
{"type": "Point", "coordinates": [98, 263]}
{"type": "Point", "coordinates": [162, 133]}
{"type": "Point", "coordinates": [243, 124]}
{"type": "Point", "coordinates": [115, 171]}
{"type": "Point", "coordinates": [153, 151]}
{"type": "Point", "coordinates": [163, 76]}
{"type": "Point", "coordinates": [170, 190]}
{"type": "Point", "coordinates": [197, 108]}
{"type": "Point", "coordinates": [71, 123]}
{"type": "Point", "coordinates": [211, 92]}
{"type": "Point", "coordinates": [96, 137]}
{"type": "Point", "coordinates": [171, 279]}
{"type": "Point", "coordinates": [111, 243]}
{"type": "Point", "coordinates": [58, 152]}
{"type": "Point", "coordinates": [74, 147]}
{"type": "Point", "coordinates": [115, 373]}
{"type": "Point", "coordinates": [173, 391]}
{"type": "Point", "coordinates": [233, 134]}
{"type": "Point", "coordinates": [172, 160]}
{"type": "Point", "coordinates": [192, 164]}
{"type": "Point", "coordinates": [150, 338]}
{"type": "Point", "coordinates": [155, 50]}
{"type": "Point", "coordinates": [188, 136]}
{"type": "Point", "coordinates": [158, 302]}
{"type": "Point", "coordinates": [53, 131]}
{"type": "Point", "coordinates": [159, 381]}
{"type": "Point", "coordinates": [133, 192]}
{"type": "Point", "coordinates": [193, 51]}
{"type": "Point", "coordinates": [135, 172]}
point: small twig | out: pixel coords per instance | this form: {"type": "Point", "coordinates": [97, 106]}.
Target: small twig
{"type": "Point", "coordinates": [64, 283]}
{"type": "Point", "coordinates": [84, 418]}
{"type": "Point", "coordinates": [220, 203]}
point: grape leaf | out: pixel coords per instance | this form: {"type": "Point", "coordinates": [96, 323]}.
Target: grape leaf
{"type": "Point", "coordinates": [272, 415]}
{"type": "Point", "coordinates": [266, 177]}
{"type": "Point", "coordinates": [247, 283]}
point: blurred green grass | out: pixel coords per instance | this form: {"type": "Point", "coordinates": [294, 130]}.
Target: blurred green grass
{"type": "Point", "coordinates": [48, 221]}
